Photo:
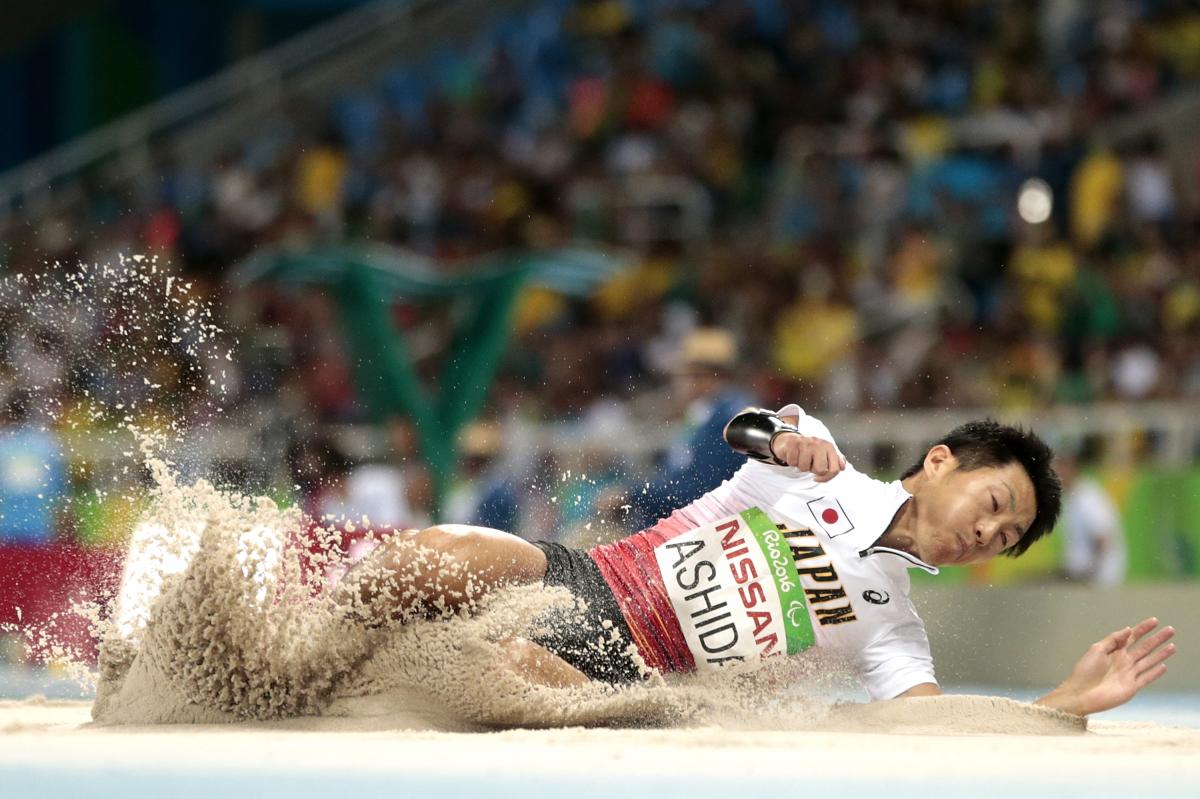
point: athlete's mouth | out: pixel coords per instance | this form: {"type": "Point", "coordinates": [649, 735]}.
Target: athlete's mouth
{"type": "Point", "coordinates": [962, 546]}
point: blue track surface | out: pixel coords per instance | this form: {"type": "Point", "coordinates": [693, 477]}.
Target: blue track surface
{"type": "Point", "coordinates": [199, 784]}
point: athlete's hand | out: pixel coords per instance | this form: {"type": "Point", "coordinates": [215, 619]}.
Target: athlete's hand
{"type": "Point", "coordinates": [1114, 669]}
{"type": "Point", "coordinates": [815, 455]}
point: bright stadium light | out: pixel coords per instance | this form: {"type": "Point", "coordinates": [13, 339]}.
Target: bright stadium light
{"type": "Point", "coordinates": [1035, 202]}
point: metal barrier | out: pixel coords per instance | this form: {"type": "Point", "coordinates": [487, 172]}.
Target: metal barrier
{"type": "Point", "coordinates": [1175, 122]}
{"type": "Point", "coordinates": [648, 208]}
{"type": "Point", "coordinates": [1163, 434]}
{"type": "Point", "coordinates": [1158, 433]}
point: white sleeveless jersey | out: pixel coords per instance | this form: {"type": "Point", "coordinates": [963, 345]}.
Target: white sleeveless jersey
{"type": "Point", "coordinates": [857, 591]}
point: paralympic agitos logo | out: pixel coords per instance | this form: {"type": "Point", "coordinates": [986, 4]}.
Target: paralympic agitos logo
{"type": "Point", "coordinates": [796, 612]}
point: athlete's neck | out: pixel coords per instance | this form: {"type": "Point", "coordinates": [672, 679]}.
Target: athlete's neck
{"type": "Point", "coordinates": [901, 533]}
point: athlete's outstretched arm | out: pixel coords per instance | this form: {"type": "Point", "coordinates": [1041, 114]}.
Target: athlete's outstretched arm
{"type": "Point", "coordinates": [1108, 675]}
{"type": "Point", "coordinates": [1114, 669]}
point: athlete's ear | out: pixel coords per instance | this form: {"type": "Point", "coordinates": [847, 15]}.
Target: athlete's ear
{"type": "Point", "coordinates": [939, 460]}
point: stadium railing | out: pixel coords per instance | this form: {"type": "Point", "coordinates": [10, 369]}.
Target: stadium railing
{"type": "Point", "coordinates": [1162, 434]}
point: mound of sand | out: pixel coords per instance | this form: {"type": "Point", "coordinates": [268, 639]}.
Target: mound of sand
{"type": "Point", "coordinates": [954, 715]}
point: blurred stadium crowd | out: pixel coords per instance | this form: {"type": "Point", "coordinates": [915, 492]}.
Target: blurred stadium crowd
{"type": "Point", "coordinates": [833, 184]}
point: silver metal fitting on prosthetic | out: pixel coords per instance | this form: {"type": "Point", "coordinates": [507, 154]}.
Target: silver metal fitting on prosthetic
{"type": "Point", "coordinates": [752, 431]}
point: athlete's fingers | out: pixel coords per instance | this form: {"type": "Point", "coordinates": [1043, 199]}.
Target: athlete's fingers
{"type": "Point", "coordinates": [1152, 660]}
{"type": "Point", "coordinates": [1141, 648]}
{"type": "Point", "coordinates": [804, 459]}
{"type": "Point", "coordinates": [793, 455]}
{"type": "Point", "coordinates": [818, 460]}
{"type": "Point", "coordinates": [1114, 641]}
{"type": "Point", "coordinates": [807, 457]}
{"type": "Point", "coordinates": [821, 463]}
{"type": "Point", "coordinates": [1142, 628]}
{"type": "Point", "coordinates": [781, 447]}
{"type": "Point", "coordinates": [1147, 677]}
{"type": "Point", "coordinates": [837, 462]}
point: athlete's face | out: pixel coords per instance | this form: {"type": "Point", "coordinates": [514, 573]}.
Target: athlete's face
{"type": "Point", "coordinates": [969, 516]}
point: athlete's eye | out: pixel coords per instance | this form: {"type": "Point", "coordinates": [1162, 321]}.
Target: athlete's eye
{"type": "Point", "coordinates": [995, 504]}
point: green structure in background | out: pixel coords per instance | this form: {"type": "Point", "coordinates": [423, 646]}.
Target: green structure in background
{"type": "Point", "coordinates": [367, 280]}
{"type": "Point", "coordinates": [1162, 525]}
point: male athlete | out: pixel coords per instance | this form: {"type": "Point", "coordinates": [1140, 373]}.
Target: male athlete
{"type": "Point", "coordinates": [796, 549]}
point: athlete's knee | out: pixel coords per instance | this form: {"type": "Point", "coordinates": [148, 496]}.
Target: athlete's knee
{"type": "Point", "coordinates": [434, 538]}
{"type": "Point", "coordinates": [455, 541]}
{"type": "Point", "coordinates": [501, 556]}
{"type": "Point", "coordinates": [430, 545]}
{"type": "Point", "coordinates": [416, 567]}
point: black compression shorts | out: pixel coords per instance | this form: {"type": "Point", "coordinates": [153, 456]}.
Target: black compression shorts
{"type": "Point", "coordinates": [582, 638]}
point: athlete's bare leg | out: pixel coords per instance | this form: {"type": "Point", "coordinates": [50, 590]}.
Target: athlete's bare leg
{"type": "Point", "coordinates": [438, 569]}
{"type": "Point", "coordinates": [443, 568]}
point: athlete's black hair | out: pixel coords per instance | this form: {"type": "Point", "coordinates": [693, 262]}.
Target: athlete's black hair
{"type": "Point", "coordinates": [988, 443]}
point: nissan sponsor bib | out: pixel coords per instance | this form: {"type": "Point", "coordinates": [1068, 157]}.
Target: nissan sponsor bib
{"type": "Point", "coordinates": [735, 590]}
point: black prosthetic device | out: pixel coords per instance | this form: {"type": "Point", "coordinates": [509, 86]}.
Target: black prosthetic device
{"type": "Point", "coordinates": [752, 431]}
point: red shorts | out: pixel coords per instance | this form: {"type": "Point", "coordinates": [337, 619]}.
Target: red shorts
{"type": "Point", "coordinates": [631, 571]}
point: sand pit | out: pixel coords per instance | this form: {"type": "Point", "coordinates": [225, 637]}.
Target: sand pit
{"type": "Point", "coordinates": [223, 619]}
{"type": "Point", "coordinates": [216, 624]}
{"type": "Point", "coordinates": [229, 679]}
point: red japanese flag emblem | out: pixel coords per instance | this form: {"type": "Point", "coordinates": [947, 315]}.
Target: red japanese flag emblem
{"type": "Point", "coordinates": [831, 516]}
